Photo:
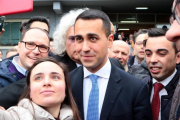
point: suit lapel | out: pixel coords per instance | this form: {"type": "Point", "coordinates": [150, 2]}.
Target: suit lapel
{"type": "Point", "coordinates": [112, 92]}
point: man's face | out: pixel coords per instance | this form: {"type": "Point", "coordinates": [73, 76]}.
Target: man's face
{"type": "Point", "coordinates": [120, 50]}
{"type": "Point", "coordinates": [70, 45]}
{"type": "Point", "coordinates": [130, 36]}
{"type": "Point", "coordinates": [122, 34]}
{"type": "Point", "coordinates": [92, 44]}
{"type": "Point", "coordinates": [28, 57]}
{"type": "Point", "coordinates": [138, 46]}
{"type": "Point", "coordinates": [41, 25]}
{"type": "Point", "coordinates": [160, 57]}
{"type": "Point", "coordinates": [173, 34]}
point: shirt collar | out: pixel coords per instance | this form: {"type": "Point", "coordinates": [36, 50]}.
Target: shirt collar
{"type": "Point", "coordinates": [167, 80]}
{"type": "Point", "coordinates": [78, 65]}
{"type": "Point", "coordinates": [104, 72]}
{"type": "Point", "coordinates": [18, 67]}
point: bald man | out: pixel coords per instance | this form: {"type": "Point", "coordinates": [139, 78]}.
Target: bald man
{"type": "Point", "coordinates": [120, 50]}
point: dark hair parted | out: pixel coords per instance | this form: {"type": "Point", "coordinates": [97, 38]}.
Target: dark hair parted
{"type": "Point", "coordinates": [158, 32]}
{"type": "Point", "coordinates": [37, 19]}
{"type": "Point", "coordinates": [69, 100]}
{"type": "Point", "coordinates": [93, 14]}
{"type": "Point", "coordinates": [141, 31]}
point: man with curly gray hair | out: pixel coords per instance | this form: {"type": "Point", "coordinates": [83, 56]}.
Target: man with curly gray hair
{"type": "Point", "coordinates": [64, 42]}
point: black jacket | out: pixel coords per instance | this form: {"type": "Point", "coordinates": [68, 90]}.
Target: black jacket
{"type": "Point", "coordinates": [126, 98]}
{"type": "Point", "coordinates": [166, 100]}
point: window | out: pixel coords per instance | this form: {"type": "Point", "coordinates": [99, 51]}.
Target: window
{"type": "Point", "coordinates": [11, 35]}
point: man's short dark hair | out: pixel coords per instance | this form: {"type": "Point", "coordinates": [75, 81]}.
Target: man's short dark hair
{"type": "Point", "coordinates": [141, 31]}
{"type": "Point", "coordinates": [23, 26]}
{"type": "Point", "coordinates": [38, 19]}
{"type": "Point", "coordinates": [93, 14]}
{"type": "Point", "coordinates": [158, 32]}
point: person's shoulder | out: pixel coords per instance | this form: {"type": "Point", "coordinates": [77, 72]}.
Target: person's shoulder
{"type": "Point", "coordinates": [126, 78]}
{"type": "Point", "coordinates": [77, 70]}
{"type": "Point", "coordinates": [20, 111]}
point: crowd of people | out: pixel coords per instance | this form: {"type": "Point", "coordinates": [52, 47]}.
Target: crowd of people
{"type": "Point", "coordinates": [87, 71]}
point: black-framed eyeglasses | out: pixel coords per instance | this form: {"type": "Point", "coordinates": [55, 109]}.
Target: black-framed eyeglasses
{"type": "Point", "coordinates": [144, 42]}
{"type": "Point", "coordinates": [32, 46]}
{"type": "Point", "coordinates": [176, 13]}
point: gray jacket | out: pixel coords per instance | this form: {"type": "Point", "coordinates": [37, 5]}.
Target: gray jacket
{"type": "Point", "coordinates": [140, 71]}
{"type": "Point", "coordinates": [27, 110]}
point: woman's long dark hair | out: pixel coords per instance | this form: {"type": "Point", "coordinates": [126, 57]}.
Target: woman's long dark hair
{"type": "Point", "coordinates": [69, 100]}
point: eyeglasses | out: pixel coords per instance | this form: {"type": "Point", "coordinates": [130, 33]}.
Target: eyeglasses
{"type": "Point", "coordinates": [176, 13]}
{"type": "Point", "coordinates": [141, 42]}
{"type": "Point", "coordinates": [32, 46]}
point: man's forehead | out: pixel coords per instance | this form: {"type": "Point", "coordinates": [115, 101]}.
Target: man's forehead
{"type": "Point", "coordinates": [32, 33]}
{"type": "Point", "coordinates": [38, 24]}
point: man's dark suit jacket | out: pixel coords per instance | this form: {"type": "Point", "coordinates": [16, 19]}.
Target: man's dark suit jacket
{"type": "Point", "coordinates": [166, 100]}
{"type": "Point", "coordinates": [126, 97]}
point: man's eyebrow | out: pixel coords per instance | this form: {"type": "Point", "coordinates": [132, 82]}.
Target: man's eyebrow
{"type": "Point", "coordinates": [78, 36]}
{"type": "Point", "coordinates": [162, 50]}
{"type": "Point", "coordinates": [147, 50]}
{"type": "Point", "coordinates": [92, 34]}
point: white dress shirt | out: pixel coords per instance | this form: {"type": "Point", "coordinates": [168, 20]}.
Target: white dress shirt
{"type": "Point", "coordinates": [104, 74]}
{"type": "Point", "coordinates": [163, 91]}
{"type": "Point", "coordinates": [18, 67]}
{"type": "Point", "coordinates": [78, 65]}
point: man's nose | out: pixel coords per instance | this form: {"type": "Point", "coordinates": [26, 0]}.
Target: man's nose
{"type": "Point", "coordinates": [173, 34]}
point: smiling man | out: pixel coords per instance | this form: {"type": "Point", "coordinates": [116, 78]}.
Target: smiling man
{"type": "Point", "coordinates": [101, 90]}
{"type": "Point", "coordinates": [33, 45]}
{"type": "Point", "coordinates": [161, 58]}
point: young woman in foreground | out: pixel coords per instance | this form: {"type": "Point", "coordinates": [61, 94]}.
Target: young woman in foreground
{"type": "Point", "coordinates": [47, 95]}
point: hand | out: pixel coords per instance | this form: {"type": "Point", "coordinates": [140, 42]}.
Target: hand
{"type": "Point", "coordinates": [2, 108]}
{"type": "Point", "coordinates": [2, 31]}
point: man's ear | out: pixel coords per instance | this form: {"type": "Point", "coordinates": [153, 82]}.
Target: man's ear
{"type": "Point", "coordinates": [178, 58]}
{"type": "Point", "coordinates": [19, 45]}
{"type": "Point", "coordinates": [110, 40]}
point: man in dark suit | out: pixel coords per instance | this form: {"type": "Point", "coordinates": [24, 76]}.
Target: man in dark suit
{"type": "Point", "coordinates": [161, 57]}
{"type": "Point", "coordinates": [100, 89]}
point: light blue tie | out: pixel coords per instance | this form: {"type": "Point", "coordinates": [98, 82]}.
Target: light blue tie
{"type": "Point", "coordinates": [93, 103]}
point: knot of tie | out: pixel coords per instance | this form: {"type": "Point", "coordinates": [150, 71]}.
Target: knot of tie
{"type": "Point", "coordinates": [93, 78]}
{"type": "Point", "coordinates": [158, 87]}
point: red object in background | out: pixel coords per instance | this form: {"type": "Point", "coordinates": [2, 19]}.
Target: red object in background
{"type": "Point", "coordinates": [8, 7]}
